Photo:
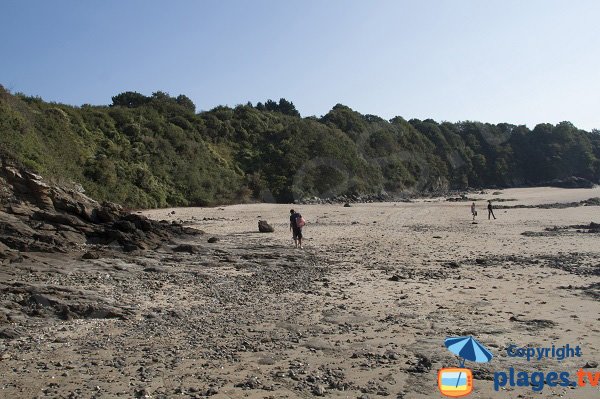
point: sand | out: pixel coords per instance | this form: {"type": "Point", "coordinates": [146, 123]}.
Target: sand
{"type": "Point", "coordinates": [361, 312]}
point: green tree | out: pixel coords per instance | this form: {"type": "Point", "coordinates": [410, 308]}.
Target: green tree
{"type": "Point", "coordinates": [130, 99]}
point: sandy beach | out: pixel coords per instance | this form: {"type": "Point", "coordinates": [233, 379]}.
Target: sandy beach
{"type": "Point", "coordinates": [361, 312]}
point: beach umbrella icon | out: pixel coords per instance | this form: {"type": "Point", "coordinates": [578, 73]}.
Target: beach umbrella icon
{"type": "Point", "coordinates": [467, 348]}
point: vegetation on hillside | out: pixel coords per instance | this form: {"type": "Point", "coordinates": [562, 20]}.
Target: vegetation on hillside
{"type": "Point", "coordinates": [156, 151]}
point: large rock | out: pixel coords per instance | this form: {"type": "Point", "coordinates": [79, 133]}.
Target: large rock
{"type": "Point", "coordinates": [265, 227]}
{"type": "Point", "coordinates": [37, 216]}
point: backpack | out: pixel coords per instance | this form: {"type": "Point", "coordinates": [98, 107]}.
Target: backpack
{"type": "Point", "coordinates": [300, 222]}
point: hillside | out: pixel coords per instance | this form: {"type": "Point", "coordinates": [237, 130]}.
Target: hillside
{"type": "Point", "coordinates": [156, 151]}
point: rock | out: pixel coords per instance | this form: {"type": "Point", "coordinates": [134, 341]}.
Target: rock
{"type": "Point", "coordinates": [124, 226]}
{"type": "Point", "coordinates": [250, 383]}
{"type": "Point", "coordinates": [265, 227]}
{"type": "Point", "coordinates": [10, 332]}
{"type": "Point", "coordinates": [130, 246]}
{"type": "Point", "coordinates": [103, 215]}
{"type": "Point", "coordinates": [212, 240]}
{"type": "Point", "coordinates": [423, 365]}
{"type": "Point", "coordinates": [452, 265]}
{"type": "Point", "coordinates": [347, 205]}
{"type": "Point", "coordinates": [90, 255]}
{"type": "Point", "coordinates": [396, 277]}
{"type": "Point", "coordinates": [140, 221]}
{"type": "Point", "coordinates": [570, 182]}
{"type": "Point", "coordinates": [319, 390]}
{"type": "Point", "coordinates": [189, 248]}
{"type": "Point", "coordinates": [67, 220]}
{"type": "Point", "coordinates": [142, 393]}
{"type": "Point", "coordinates": [37, 216]}
{"type": "Point", "coordinates": [591, 365]}
{"type": "Point", "coordinates": [595, 201]}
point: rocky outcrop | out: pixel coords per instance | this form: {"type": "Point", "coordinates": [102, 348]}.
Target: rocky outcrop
{"type": "Point", "coordinates": [41, 217]}
{"type": "Point", "coordinates": [570, 182]}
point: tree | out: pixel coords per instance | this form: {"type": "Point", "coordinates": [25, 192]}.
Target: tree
{"type": "Point", "coordinates": [271, 105]}
{"type": "Point", "coordinates": [185, 102]}
{"type": "Point", "coordinates": [130, 99]}
{"type": "Point", "coordinates": [287, 107]}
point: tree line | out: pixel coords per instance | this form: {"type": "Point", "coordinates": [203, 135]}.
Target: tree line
{"type": "Point", "coordinates": [156, 151]}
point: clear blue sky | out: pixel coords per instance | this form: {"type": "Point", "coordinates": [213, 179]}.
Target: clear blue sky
{"type": "Point", "coordinates": [517, 61]}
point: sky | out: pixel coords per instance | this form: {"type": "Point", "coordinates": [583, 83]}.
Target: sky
{"type": "Point", "coordinates": [515, 61]}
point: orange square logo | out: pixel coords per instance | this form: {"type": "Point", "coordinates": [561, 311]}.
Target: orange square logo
{"type": "Point", "coordinates": [455, 382]}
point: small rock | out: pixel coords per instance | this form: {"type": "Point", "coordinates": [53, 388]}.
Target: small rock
{"type": "Point", "coordinates": [186, 248]}
{"type": "Point", "coordinates": [319, 390]}
{"type": "Point", "coordinates": [90, 255]}
{"type": "Point", "coordinates": [396, 277]}
{"type": "Point", "coordinates": [213, 240]}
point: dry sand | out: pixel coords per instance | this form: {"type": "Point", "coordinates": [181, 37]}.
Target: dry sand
{"type": "Point", "coordinates": [361, 312]}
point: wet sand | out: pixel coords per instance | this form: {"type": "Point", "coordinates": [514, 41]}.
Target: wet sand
{"type": "Point", "coordinates": [361, 312]}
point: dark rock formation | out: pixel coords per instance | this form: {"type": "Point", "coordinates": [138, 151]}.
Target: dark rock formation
{"type": "Point", "coordinates": [571, 182]}
{"type": "Point", "coordinates": [40, 217]}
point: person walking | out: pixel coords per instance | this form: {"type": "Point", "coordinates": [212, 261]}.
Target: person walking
{"type": "Point", "coordinates": [490, 210]}
{"type": "Point", "coordinates": [473, 211]}
{"type": "Point", "coordinates": [296, 224]}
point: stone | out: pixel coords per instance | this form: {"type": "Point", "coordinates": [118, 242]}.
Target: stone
{"type": "Point", "coordinates": [319, 390]}
{"type": "Point", "coordinates": [10, 332]}
{"type": "Point", "coordinates": [189, 248]}
{"type": "Point", "coordinates": [265, 227]}
{"type": "Point", "coordinates": [124, 226]}
{"type": "Point", "coordinates": [90, 255]}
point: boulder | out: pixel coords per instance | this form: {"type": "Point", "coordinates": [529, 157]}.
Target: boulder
{"type": "Point", "coordinates": [265, 227]}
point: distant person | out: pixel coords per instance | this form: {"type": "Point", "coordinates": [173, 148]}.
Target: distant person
{"type": "Point", "coordinates": [296, 224]}
{"type": "Point", "coordinates": [473, 211]}
{"type": "Point", "coordinates": [491, 210]}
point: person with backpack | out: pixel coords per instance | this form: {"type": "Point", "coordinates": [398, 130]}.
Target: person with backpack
{"type": "Point", "coordinates": [296, 224]}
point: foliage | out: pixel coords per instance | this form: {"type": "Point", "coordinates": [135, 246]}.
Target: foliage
{"type": "Point", "coordinates": [154, 151]}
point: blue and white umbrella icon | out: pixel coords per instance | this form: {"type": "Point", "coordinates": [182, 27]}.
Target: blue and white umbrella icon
{"type": "Point", "coordinates": [467, 348]}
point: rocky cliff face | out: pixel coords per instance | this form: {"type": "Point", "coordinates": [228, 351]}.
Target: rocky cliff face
{"type": "Point", "coordinates": [40, 217]}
